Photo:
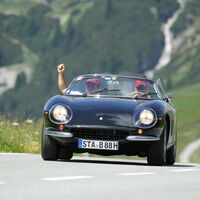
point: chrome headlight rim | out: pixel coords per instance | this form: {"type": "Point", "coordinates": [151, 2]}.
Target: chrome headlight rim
{"type": "Point", "coordinates": [52, 119]}
{"type": "Point", "coordinates": [152, 123]}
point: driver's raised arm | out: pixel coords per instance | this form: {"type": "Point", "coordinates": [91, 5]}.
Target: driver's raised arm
{"type": "Point", "coordinates": [61, 80]}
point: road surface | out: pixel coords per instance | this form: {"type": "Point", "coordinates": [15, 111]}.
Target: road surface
{"type": "Point", "coordinates": [27, 177]}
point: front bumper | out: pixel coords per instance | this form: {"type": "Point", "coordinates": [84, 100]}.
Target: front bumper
{"type": "Point", "coordinates": [131, 138]}
{"type": "Point", "coordinates": [58, 134]}
{"type": "Point", "coordinates": [142, 138]}
{"type": "Point", "coordinates": [130, 144]}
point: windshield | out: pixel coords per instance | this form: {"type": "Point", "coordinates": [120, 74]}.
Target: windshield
{"type": "Point", "coordinates": [108, 85]}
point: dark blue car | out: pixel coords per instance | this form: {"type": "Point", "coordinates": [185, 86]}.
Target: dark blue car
{"type": "Point", "coordinates": [111, 115]}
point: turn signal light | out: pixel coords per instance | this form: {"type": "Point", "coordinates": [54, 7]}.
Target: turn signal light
{"type": "Point", "coordinates": [61, 127]}
{"type": "Point", "coordinates": [46, 113]}
{"type": "Point", "coordinates": [140, 131]}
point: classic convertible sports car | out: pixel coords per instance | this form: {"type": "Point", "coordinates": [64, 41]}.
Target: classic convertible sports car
{"type": "Point", "coordinates": [109, 114]}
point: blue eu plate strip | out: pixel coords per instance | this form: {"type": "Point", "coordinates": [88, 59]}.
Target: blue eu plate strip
{"type": "Point", "coordinates": [80, 143]}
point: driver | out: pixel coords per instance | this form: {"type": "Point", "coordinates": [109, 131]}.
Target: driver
{"type": "Point", "coordinates": [92, 84]}
{"type": "Point", "coordinates": [141, 87]}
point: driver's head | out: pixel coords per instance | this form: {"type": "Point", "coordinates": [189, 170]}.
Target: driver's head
{"type": "Point", "coordinates": [141, 86]}
{"type": "Point", "coordinates": [92, 84]}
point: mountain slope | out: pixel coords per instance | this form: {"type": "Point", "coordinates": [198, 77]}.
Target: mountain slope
{"type": "Point", "coordinates": [90, 36]}
{"type": "Point", "coordinates": [184, 67]}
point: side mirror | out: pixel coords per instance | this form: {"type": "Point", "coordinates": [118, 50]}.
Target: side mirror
{"type": "Point", "coordinates": [167, 97]}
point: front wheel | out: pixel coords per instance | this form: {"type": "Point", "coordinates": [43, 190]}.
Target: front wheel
{"type": "Point", "coordinates": [171, 155]}
{"type": "Point", "coordinates": [48, 148]}
{"type": "Point", "coordinates": [158, 151]}
{"type": "Point", "coordinates": [65, 153]}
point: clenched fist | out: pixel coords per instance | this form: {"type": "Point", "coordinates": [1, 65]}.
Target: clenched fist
{"type": "Point", "coordinates": [61, 68]}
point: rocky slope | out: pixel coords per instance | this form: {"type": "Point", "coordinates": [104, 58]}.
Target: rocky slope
{"type": "Point", "coordinates": [184, 67]}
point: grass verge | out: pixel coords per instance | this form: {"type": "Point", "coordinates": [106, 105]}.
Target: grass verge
{"type": "Point", "coordinates": [21, 137]}
{"type": "Point", "coordinates": [186, 101]}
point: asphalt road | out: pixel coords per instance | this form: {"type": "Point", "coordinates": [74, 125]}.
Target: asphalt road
{"type": "Point", "coordinates": [27, 177]}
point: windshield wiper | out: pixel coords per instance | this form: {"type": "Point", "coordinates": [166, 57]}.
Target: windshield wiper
{"type": "Point", "coordinates": [100, 90]}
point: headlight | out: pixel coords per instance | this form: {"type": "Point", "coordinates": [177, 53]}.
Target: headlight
{"type": "Point", "coordinates": [61, 114]}
{"type": "Point", "coordinates": [147, 117]}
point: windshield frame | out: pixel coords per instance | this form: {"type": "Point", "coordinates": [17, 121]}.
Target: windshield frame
{"type": "Point", "coordinates": [98, 95]}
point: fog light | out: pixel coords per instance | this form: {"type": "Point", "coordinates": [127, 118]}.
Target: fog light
{"type": "Point", "coordinates": [61, 127]}
{"type": "Point", "coordinates": [140, 131]}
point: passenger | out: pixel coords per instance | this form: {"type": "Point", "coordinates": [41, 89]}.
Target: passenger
{"type": "Point", "coordinates": [61, 80]}
{"type": "Point", "coordinates": [141, 87]}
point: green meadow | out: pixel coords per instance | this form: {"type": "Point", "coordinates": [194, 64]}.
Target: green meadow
{"type": "Point", "coordinates": [21, 137]}
{"type": "Point", "coordinates": [187, 102]}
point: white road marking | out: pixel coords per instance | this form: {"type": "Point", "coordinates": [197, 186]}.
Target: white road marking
{"type": "Point", "coordinates": [16, 154]}
{"type": "Point", "coordinates": [183, 170]}
{"type": "Point", "coordinates": [136, 173]}
{"type": "Point", "coordinates": [65, 178]}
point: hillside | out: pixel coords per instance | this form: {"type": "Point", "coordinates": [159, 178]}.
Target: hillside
{"type": "Point", "coordinates": [184, 67]}
{"type": "Point", "coordinates": [90, 36]}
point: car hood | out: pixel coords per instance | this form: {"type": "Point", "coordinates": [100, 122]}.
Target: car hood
{"type": "Point", "coordinates": [90, 111]}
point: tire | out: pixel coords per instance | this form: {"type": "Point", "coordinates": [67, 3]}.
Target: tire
{"type": "Point", "coordinates": [65, 153]}
{"type": "Point", "coordinates": [171, 155]}
{"type": "Point", "coordinates": [48, 148]}
{"type": "Point", "coordinates": [158, 151]}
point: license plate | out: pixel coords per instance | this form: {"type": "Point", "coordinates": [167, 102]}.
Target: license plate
{"type": "Point", "coordinates": [98, 144]}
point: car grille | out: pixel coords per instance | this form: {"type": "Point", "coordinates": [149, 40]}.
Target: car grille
{"type": "Point", "coordinates": [99, 134]}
